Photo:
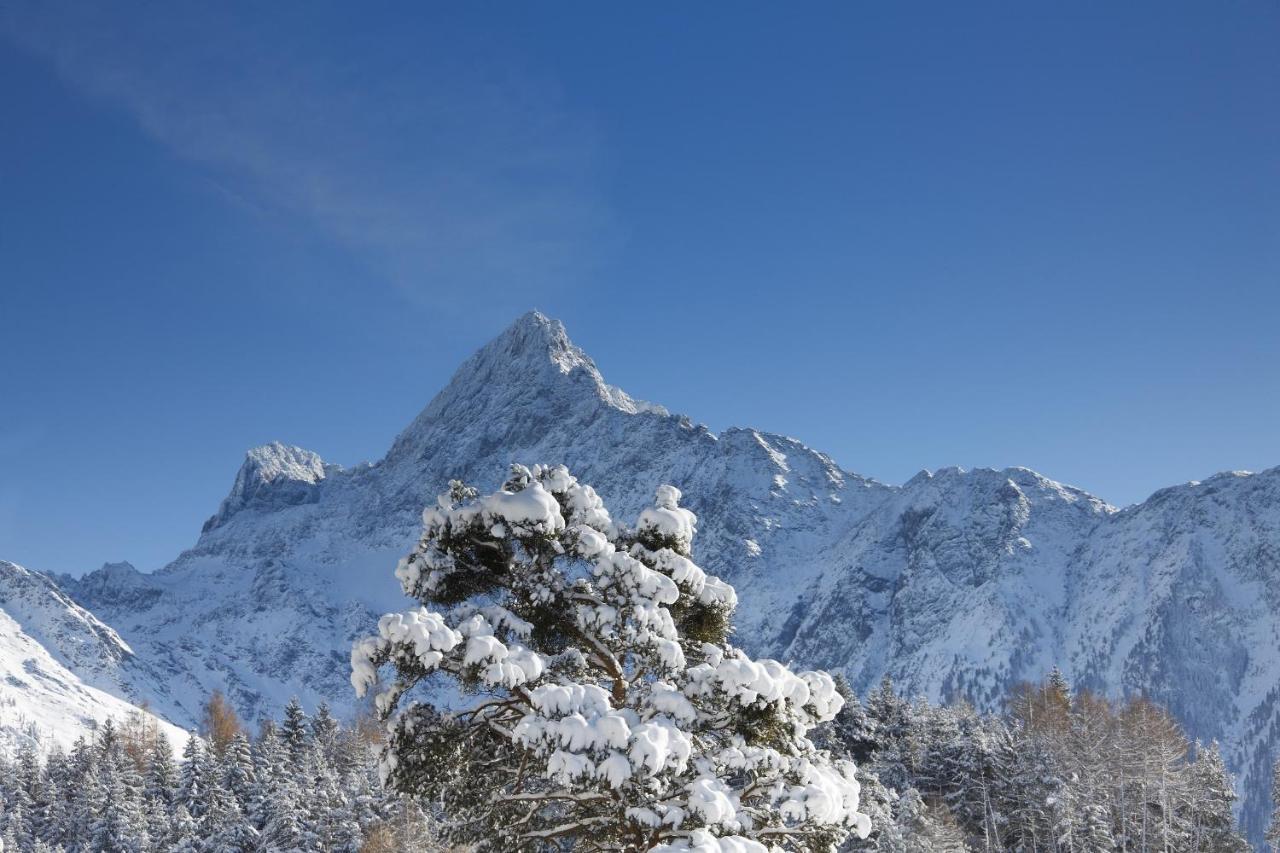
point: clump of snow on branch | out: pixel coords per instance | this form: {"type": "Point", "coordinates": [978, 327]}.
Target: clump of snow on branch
{"type": "Point", "coordinates": [609, 706]}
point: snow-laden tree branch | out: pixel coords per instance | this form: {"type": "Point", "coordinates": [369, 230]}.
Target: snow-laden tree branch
{"type": "Point", "coordinates": [594, 697]}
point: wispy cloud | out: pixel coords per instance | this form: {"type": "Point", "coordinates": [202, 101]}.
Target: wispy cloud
{"type": "Point", "coordinates": [448, 176]}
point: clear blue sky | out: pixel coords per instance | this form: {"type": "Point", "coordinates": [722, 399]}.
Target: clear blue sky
{"type": "Point", "coordinates": [913, 235]}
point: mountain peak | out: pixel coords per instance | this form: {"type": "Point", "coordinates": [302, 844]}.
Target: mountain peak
{"type": "Point", "coordinates": [271, 476]}
{"type": "Point", "coordinates": [533, 339]}
{"type": "Point", "coordinates": [529, 369]}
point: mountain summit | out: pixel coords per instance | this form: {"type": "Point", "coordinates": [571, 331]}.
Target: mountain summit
{"type": "Point", "coordinates": [957, 584]}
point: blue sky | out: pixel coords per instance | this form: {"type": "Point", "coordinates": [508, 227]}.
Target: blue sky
{"type": "Point", "coordinates": [912, 235]}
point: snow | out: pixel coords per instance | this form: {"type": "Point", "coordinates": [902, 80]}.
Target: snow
{"type": "Point", "coordinates": [931, 582]}
{"type": "Point", "coordinates": [668, 518]}
{"type": "Point", "coordinates": [532, 508]}
{"type": "Point", "coordinates": [702, 841]}
{"type": "Point", "coordinates": [42, 702]}
{"type": "Point", "coordinates": [641, 712]}
{"type": "Point", "coordinates": [711, 800]}
{"type": "Point", "coordinates": [659, 745]}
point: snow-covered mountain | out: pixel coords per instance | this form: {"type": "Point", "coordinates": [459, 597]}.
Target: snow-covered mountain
{"type": "Point", "coordinates": [63, 671]}
{"type": "Point", "coordinates": [957, 583]}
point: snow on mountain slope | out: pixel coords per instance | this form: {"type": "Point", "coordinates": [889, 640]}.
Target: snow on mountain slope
{"type": "Point", "coordinates": [958, 583]}
{"type": "Point", "coordinates": [60, 668]}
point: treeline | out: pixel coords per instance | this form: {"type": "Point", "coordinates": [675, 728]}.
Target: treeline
{"type": "Point", "coordinates": [1063, 772]}
{"type": "Point", "coordinates": [306, 784]}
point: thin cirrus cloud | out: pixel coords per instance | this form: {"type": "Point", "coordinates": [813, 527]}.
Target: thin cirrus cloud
{"type": "Point", "coordinates": [442, 174]}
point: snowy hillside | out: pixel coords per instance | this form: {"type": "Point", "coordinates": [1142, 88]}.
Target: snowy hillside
{"type": "Point", "coordinates": [958, 583]}
{"type": "Point", "coordinates": [62, 669]}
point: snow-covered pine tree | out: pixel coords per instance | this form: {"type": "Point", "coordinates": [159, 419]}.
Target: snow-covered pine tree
{"type": "Point", "coordinates": [1095, 832]}
{"type": "Point", "coordinates": [21, 791]}
{"type": "Point", "coordinates": [159, 786]}
{"type": "Point", "coordinates": [897, 738]}
{"type": "Point", "coordinates": [922, 828]}
{"type": "Point", "coordinates": [324, 731]}
{"type": "Point", "coordinates": [237, 770]}
{"type": "Point", "coordinates": [1273, 831]}
{"type": "Point", "coordinates": [224, 829]}
{"type": "Point", "coordinates": [192, 777]}
{"type": "Point", "coordinates": [183, 834]}
{"type": "Point", "coordinates": [1210, 803]}
{"type": "Point", "coordinates": [120, 827]}
{"type": "Point", "coordinates": [19, 831]}
{"type": "Point", "coordinates": [295, 732]}
{"type": "Point", "coordinates": [611, 712]}
{"type": "Point", "coordinates": [54, 817]}
{"type": "Point", "coordinates": [853, 728]}
{"type": "Point", "coordinates": [284, 829]}
{"type": "Point", "coordinates": [88, 792]}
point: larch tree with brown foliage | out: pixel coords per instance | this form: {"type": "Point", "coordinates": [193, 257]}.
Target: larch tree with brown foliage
{"type": "Point", "coordinates": [220, 724]}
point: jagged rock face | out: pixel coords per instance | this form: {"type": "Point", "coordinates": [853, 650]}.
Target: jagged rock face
{"type": "Point", "coordinates": [958, 583]}
{"type": "Point", "coordinates": [272, 476]}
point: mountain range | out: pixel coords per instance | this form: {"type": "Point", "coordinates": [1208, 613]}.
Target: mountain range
{"type": "Point", "coordinates": [957, 584]}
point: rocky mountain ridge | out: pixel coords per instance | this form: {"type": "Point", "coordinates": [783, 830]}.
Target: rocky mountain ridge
{"type": "Point", "coordinates": [63, 672]}
{"type": "Point", "coordinates": [956, 583]}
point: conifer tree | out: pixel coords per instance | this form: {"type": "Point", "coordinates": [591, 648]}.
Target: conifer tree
{"type": "Point", "coordinates": [611, 710]}
{"type": "Point", "coordinates": [1273, 831]}
{"type": "Point", "coordinates": [89, 793]}
{"type": "Point", "coordinates": [159, 788]}
{"type": "Point", "coordinates": [119, 826]}
{"type": "Point", "coordinates": [283, 826]}
{"type": "Point", "coordinates": [1210, 805]}
{"type": "Point", "coordinates": [19, 831]}
{"type": "Point", "coordinates": [54, 817]}
{"type": "Point", "coordinates": [219, 722]}
{"type": "Point", "coordinates": [183, 831]}
{"type": "Point", "coordinates": [853, 727]}
{"type": "Point", "coordinates": [192, 777]}
{"type": "Point", "coordinates": [896, 753]}
{"type": "Point", "coordinates": [294, 731]}
{"type": "Point", "coordinates": [238, 773]}
{"type": "Point", "coordinates": [324, 731]}
{"type": "Point", "coordinates": [269, 760]}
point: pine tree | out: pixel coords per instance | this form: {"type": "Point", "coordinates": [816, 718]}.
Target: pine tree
{"type": "Point", "coordinates": [283, 827]}
{"type": "Point", "coordinates": [294, 731]}
{"type": "Point", "coordinates": [19, 831]}
{"type": "Point", "coordinates": [271, 777]}
{"type": "Point", "coordinates": [1096, 832]}
{"type": "Point", "coordinates": [1211, 800]}
{"type": "Point", "coordinates": [54, 815]}
{"type": "Point", "coordinates": [89, 793]}
{"type": "Point", "coordinates": [614, 709]}
{"type": "Point", "coordinates": [183, 832]}
{"type": "Point", "coordinates": [897, 747]}
{"type": "Point", "coordinates": [159, 788]}
{"type": "Point", "coordinates": [119, 827]}
{"type": "Point", "coordinates": [853, 728]}
{"type": "Point", "coordinates": [324, 731]}
{"type": "Point", "coordinates": [238, 774]}
{"type": "Point", "coordinates": [1273, 831]}
{"type": "Point", "coordinates": [223, 827]}
{"type": "Point", "coordinates": [54, 818]}
{"type": "Point", "coordinates": [192, 778]}
{"type": "Point", "coordinates": [22, 791]}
